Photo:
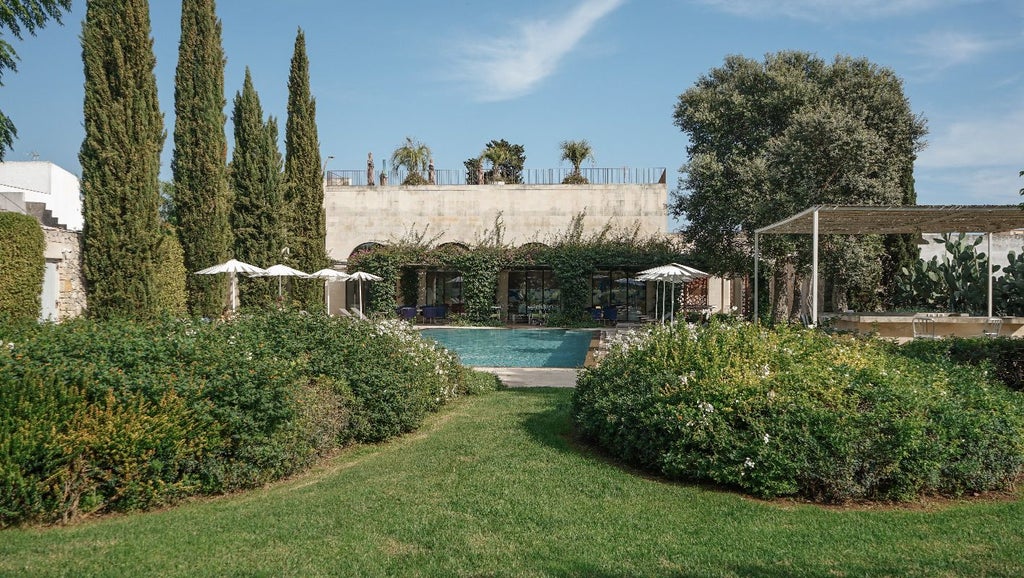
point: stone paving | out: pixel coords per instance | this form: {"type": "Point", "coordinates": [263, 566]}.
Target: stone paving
{"type": "Point", "coordinates": [533, 376]}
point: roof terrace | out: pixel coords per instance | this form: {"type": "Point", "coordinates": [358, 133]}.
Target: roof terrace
{"type": "Point", "coordinates": [445, 177]}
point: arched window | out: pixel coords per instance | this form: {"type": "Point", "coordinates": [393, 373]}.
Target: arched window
{"type": "Point", "coordinates": [363, 247]}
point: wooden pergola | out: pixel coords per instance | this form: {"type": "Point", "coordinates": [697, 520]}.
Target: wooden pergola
{"type": "Point", "coordinates": [911, 219]}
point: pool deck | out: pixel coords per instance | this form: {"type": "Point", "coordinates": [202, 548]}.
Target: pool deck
{"type": "Point", "coordinates": [534, 376]}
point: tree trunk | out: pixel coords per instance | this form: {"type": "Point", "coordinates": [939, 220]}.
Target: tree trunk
{"type": "Point", "coordinates": [784, 279]}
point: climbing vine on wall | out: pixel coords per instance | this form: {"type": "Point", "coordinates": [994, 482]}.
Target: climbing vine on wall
{"type": "Point", "coordinates": [572, 257]}
{"type": "Point", "coordinates": [479, 269]}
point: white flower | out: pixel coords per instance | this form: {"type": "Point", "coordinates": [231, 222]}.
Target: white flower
{"type": "Point", "coordinates": [748, 463]}
{"type": "Point", "coordinates": [706, 407]}
{"type": "Point", "coordinates": [767, 438]}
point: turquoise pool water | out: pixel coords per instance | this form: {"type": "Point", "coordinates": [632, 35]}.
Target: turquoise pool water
{"type": "Point", "coordinates": [514, 347]}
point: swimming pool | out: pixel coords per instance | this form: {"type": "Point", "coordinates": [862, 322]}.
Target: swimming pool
{"type": "Point", "coordinates": [514, 347]}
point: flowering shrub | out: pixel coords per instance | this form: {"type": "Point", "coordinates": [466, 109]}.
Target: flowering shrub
{"type": "Point", "coordinates": [1004, 355]}
{"type": "Point", "coordinates": [792, 412]}
{"type": "Point", "coordinates": [117, 415]}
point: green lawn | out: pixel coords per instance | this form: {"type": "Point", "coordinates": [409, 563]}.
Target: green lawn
{"type": "Point", "coordinates": [491, 486]}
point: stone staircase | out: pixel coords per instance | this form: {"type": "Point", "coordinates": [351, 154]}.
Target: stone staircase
{"type": "Point", "coordinates": [43, 215]}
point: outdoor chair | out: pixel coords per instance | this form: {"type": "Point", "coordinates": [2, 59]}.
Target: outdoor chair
{"type": "Point", "coordinates": [924, 328]}
{"type": "Point", "coordinates": [407, 313]}
{"type": "Point", "coordinates": [521, 315]}
{"type": "Point", "coordinates": [611, 315]}
{"type": "Point", "coordinates": [993, 325]}
{"type": "Point", "coordinates": [430, 313]}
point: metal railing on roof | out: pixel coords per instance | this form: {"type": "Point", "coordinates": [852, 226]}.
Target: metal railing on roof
{"type": "Point", "coordinates": [449, 177]}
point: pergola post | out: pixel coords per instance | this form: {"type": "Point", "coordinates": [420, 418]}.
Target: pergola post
{"type": "Point", "coordinates": [814, 270]}
{"type": "Point", "coordinates": [989, 258]}
{"type": "Point", "coordinates": [756, 257]}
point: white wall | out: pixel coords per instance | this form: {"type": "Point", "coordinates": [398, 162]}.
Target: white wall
{"type": "Point", "coordinates": [42, 182]}
{"type": "Point", "coordinates": [1001, 244]}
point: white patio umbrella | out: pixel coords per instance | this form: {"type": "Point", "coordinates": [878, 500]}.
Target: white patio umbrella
{"type": "Point", "coordinates": [280, 271]}
{"type": "Point", "coordinates": [329, 275]}
{"type": "Point", "coordinates": [232, 267]}
{"type": "Point", "coordinates": [671, 273]}
{"type": "Point", "coordinates": [361, 276]}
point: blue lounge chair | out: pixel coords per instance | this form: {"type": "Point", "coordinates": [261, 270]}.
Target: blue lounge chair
{"type": "Point", "coordinates": [611, 315]}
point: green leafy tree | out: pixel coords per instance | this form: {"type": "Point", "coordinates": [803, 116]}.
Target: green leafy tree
{"type": "Point", "coordinates": [120, 159]}
{"type": "Point", "coordinates": [18, 16]}
{"type": "Point", "coordinates": [768, 139]}
{"type": "Point", "coordinates": [199, 165]}
{"type": "Point", "coordinates": [506, 160]}
{"type": "Point", "coordinates": [576, 152]}
{"type": "Point", "coordinates": [304, 181]}
{"type": "Point", "coordinates": [257, 212]}
{"type": "Point", "coordinates": [414, 157]}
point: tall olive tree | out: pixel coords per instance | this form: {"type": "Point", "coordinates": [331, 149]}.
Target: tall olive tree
{"type": "Point", "coordinates": [120, 159]}
{"type": "Point", "coordinates": [16, 17]}
{"type": "Point", "coordinates": [773, 137]}
{"type": "Point", "coordinates": [307, 232]}
{"type": "Point", "coordinates": [201, 196]}
{"type": "Point", "coordinates": [257, 212]}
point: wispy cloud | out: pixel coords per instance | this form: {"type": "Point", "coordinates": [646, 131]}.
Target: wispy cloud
{"type": "Point", "coordinates": [940, 50]}
{"type": "Point", "coordinates": [973, 160]}
{"type": "Point", "coordinates": [826, 9]}
{"type": "Point", "coordinates": [511, 66]}
{"type": "Point", "coordinates": [979, 142]}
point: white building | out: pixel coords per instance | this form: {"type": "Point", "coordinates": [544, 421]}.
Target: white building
{"type": "Point", "coordinates": [44, 190]}
{"type": "Point", "coordinates": [51, 195]}
{"type": "Point", "coordinates": [360, 214]}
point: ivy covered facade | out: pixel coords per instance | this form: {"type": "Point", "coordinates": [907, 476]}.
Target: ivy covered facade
{"type": "Point", "coordinates": [565, 281]}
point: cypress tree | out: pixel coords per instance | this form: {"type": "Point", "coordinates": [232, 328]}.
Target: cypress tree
{"type": "Point", "coordinates": [120, 159]}
{"type": "Point", "coordinates": [256, 212]}
{"type": "Point", "coordinates": [304, 181]}
{"type": "Point", "coordinates": [200, 155]}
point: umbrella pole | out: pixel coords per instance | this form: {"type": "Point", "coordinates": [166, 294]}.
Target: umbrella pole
{"type": "Point", "coordinates": [327, 295]}
{"type": "Point", "coordinates": [233, 289]}
{"type": "Point", "coordinates": [360, 297]}
{"type": "Point", "coordinates": [664, 287]}
{"type": "Point", "coordinates": [673, 304]}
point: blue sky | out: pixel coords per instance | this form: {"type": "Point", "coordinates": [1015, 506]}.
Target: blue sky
{"type": "Point", "coordinates": [456, 74]}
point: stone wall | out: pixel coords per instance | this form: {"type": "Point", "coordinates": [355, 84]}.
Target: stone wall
{"type": "Point", "coordinates": [64, 248]}
{"type": "Point", "coordinates": [463, 213]}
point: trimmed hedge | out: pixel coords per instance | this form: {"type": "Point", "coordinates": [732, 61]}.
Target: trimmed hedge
{"type": "Point", "coordinates": [790, 412]}
{"type": "Point", "coordinates": [1004, 356]}
{"type": "Point", "coordinates": [22, 265]}
{"type": "Point", "coordinates": [119, 415]}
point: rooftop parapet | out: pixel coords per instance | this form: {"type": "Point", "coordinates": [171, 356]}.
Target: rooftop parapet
{"type": "Point", "coordinates": [449, 177]}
